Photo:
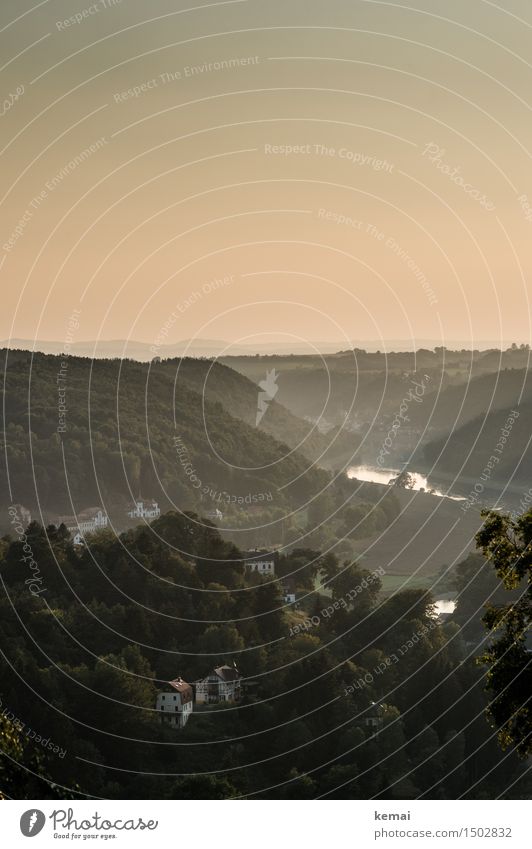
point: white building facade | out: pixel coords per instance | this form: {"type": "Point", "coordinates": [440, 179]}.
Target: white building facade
{"type": "Point", "coordinates": [176, 705]}
{"type": "Point", "coordinates": [261, 562]}
{"type": "Point", "coordinates": [223, 684]}
{"type": "Point", "coordinates": [145, 510]}
{"type": "Point", "coordinates": [87, 522]}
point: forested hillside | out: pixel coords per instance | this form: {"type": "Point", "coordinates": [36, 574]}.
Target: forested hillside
{"type": "Point", "coordinates": [466, 452]}
{"type": "Point", "coordinates": [83, 659]}
{"type": "Point", "coordinates": [451, 408]}
{"type": "Point", "coordinates": [238, 395]}
{"type": "Point", "coordinates": [118, 436]}
{"type": "Point", "coordinates": [372, 384]}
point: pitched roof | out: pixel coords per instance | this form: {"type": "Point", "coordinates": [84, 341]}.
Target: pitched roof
{"type": "Point", "coordinates": [227, 673]}
{"type": "Point", "coordinates": [183, 688]}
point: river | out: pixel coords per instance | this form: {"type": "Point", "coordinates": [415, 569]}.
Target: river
{"type": "Point", "coordinates": [444, 605]}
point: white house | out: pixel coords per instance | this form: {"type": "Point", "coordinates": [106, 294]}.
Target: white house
{"type": "Point", "coordinates": [176, 705]}
{"type": "Point", "coordinates": [261, 562]}
{"type": "Point", "coordinates": [223, 684]}
{"type": "Point", "coordinates": [92, 519]}
{"type": "Point", "coordinates": [215, 515]}
{"type": "Point", "coordinates": [145, 510]}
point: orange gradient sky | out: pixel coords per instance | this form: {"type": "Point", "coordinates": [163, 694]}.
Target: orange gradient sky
{"type": "Point", "coordinates": [279, 148]}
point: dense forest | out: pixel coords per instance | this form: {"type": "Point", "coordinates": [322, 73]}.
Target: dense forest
{"type": "Point", "coordinates": [124, 421]}
{"type": "Point", "coordinates": [449, 433]}
{"type": "Point", "coordinates": [117, 436]}
{"type": "Point", "coordinates": [133, 428]}
{"type": "Point", "coordinates": [358, 688]}
{"type": "Point", "coordinates": [379, 698]}
{"type": "Point", "coordinates": [502, 434]}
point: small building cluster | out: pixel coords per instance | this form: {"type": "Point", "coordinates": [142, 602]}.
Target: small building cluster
{"type": "Point", "coordinates": [260, 561]}
{"type": "Point", "coordinates": [87, 522]}
{"type": "Point", "coordinates": [221, 685]}
{"type": "Point", "coordinates": [95, 518]}
{"type": "Point", "coordinates": [175, 706]}
{"type": "Point", "coordinates": [145, 510]}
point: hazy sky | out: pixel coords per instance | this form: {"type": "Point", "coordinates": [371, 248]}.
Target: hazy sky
{"type": "Point", "coordinates": [344, 170]}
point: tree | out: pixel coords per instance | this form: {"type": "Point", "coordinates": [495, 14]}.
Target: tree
{"type": "Point", "coordinates": [404, 480]}
{"type": "Point", "coordinates": [508, 544]}
{"type": "Point", "coordinates": [220, 642]}
{"type": "Point", "coordinates": [12, 750]}
{"type": "Point", "coordinates": [23, 770]}
{"type": "Point", "coordinates": [476, 584]}
{"type": "Point", "coordinates": [320, 509]}
{"type": "Point", "coordinates": [202, 787]}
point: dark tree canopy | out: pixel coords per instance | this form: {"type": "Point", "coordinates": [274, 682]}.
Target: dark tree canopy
{"type": "Point", "coordinates": [508, 544]}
